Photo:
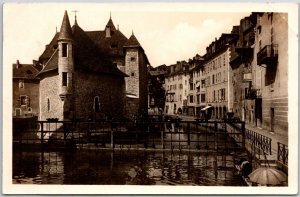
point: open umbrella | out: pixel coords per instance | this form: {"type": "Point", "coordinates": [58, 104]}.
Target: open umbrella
{"type": "Point", "coordinates": [268, 176]}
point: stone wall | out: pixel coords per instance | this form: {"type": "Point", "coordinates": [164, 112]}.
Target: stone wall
{"type": "Point", "coordinates": [49, 89]}
{"type": "Point", "coordinates": [109, 89]}
{"type": "Point", "coordinates": [131, 107]}
{"type": "Point", "coordinates": [274, 91]}
{"type": "Point", "coordinates": [131, 68]}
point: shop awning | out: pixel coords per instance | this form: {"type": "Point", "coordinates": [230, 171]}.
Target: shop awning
{"type": "Point", "coordinates": [205, 108]}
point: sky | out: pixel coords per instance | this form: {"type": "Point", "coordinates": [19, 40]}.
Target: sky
{"type": "Point", "coordinates": [167, 34]}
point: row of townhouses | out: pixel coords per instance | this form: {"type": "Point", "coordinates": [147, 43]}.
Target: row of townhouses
{"type": "Point", "coordinates": [244, 72]}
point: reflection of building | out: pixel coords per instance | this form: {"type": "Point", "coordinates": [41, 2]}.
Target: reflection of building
{"type": "Point", "coordinates": [176, 84]}
{"type": "Point", "coordinates": [89, 74]}
{"type": "Point", "coordinates": [26, 89]}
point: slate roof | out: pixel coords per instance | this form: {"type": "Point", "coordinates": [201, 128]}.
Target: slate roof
{"type": "Point", "coordinates": [88, 57]}
{"type": "Point", "coordinates": [50, 48]}
{"type": "Point", "coordinates": [24, 71]}
{"type": "Point", "coordinates": [65, 30]}
{"type": "Point", "coordinates": [132, 42]}
{"type": "Point", "coordinates": [111, 24]}
{"type": "Point", "coordinates": [111, 46]}
{"type": "Point", "coordinates": [51, 64]}
{"type": "Point", "coordinates": [93, 51]}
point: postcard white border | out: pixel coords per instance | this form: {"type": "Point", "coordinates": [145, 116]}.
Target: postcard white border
{"type": "Point", "coordinates": [290, 8]}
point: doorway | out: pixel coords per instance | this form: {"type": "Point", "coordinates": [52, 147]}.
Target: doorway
{"type": "Point", "coordinates": [272, 119]}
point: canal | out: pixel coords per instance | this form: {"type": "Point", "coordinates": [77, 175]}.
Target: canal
{"type": "Point", "coordinates": [125, 167]}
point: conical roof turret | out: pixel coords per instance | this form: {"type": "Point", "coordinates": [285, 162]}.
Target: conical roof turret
{"type": "Point", "coordinates": [132, 42]}
{"type": "Point", "coordinates": [110, 24]}
{"type": "Point", "coordinates": [65, 30]}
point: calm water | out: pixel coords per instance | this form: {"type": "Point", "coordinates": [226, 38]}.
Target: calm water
{"type": "Point", "coordinates": [124, 167]}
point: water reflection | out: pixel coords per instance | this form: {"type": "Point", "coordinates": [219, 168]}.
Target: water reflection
{"type": "Point", "coordinates": [124, 167]}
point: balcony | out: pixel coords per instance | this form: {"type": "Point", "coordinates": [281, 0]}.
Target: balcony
{"type": "Point", "coordinates": [244, 50]}
{"type": "Point", "coordinates": [268, 55]}
{"type": "Point", "coordinates": [253, 94]}
{"type": "Point", "coordinates": [247, 77]}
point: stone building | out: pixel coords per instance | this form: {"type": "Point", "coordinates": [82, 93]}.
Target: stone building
{"type": "Point", "coordinates": [136, 63]}
{"type": "Point", "coordinates": [270, 72]}
{"type": "Point", "coordinates": [241, 63]}
{"type": "Point", "coordinates": [83, 74]}
{"type": "Point", "coordinates": [259, 61]}
{"type": "Point", "coordinates": [176, 84]}
{"type": "Point", "coordinates": [196, 100]}
{"type": "Point", "coordinates": [217, 72]}
{"type": "Point", "coordinates": [156, 88]}
{"type": "Point", "coordinates": [25, 89]}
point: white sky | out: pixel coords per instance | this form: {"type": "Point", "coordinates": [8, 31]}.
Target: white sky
{"type": "Point", "coordinates": [166, 34]}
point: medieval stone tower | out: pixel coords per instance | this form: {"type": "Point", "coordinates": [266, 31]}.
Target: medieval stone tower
{"type": "Point", "coordinates": [65, 66]}
{"type": "Point", "coordinates": [83, 74]}
{"type": "Point", "coordinates": [136, 83]}
{"type": "Point", "coordinates": [65, 58]}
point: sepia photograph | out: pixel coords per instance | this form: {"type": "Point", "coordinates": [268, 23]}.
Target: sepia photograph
{"type": "Point", "coordinates": [191, 98]}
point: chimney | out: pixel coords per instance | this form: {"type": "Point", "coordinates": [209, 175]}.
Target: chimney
{"type": "Point", "coordinates": [18, 64]}
{"type": "Point", "coordinates": [35, 63]}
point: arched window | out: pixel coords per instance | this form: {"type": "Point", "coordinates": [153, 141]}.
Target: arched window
{"type": "Point", "coordinates": [96, 104]}
{"type": "Point", "coordinates": [48, 105]}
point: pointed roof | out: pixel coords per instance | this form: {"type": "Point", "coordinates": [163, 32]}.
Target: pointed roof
{"type": "Point", "coordinates": [51, 65]}
{"type": "Point", "coordinates": [49, 50]}
{"type": "Point", "coordinates": [132, 42]}
{"type": "Point", "coordinates": [110, 24]}
{"type": "Point", "coordinates": [88, 57]}
{"type": "Point", "coordinates": [65, 30]}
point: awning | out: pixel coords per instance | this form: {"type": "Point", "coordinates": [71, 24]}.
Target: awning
{"type": "Point", "coordinates": [131, 96]}
{"type": "Point", "coordinates": [205, 108]}
{"type": "Point", "coordinates": [198, 84]}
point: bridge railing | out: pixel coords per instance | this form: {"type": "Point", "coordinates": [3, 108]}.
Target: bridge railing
{"type": "Point", "coordinates": [172, 134]}
{"type": "Point", "coordinates": [282, 153]}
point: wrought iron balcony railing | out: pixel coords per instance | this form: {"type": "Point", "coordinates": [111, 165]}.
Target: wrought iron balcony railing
{"type": "Point", "coordinates": [253, 94]}
{"type": "Point", "coordinates": [268, 54]}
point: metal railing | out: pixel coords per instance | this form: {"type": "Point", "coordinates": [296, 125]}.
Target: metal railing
{"type": "Point", "coordinates": [269, 51]}
{"type": "Point", "coordinates": [282, 153]}
{"type": "Point", "coordinates": [260, 141]}
{"type": "Point", "coordinates": [171, 134]}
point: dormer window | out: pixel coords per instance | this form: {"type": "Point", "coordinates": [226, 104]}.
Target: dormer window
{"type": "Point", "coordinates": [21, 83]}
{"type": "Point", "coordinates": [64, 50]}
{"type": "Point", "coordinates": [107, 32]}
